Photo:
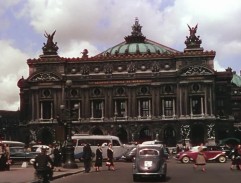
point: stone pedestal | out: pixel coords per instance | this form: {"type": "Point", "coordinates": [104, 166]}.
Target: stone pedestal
{"type": "Point", "coordinates": [211, 141]}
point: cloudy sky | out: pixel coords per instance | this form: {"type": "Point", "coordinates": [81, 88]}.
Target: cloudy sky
{"type": "Point", "coordinates": [99, 24]}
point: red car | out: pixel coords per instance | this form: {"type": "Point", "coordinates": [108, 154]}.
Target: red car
{"type": "Point", "coordinates": [212, 154]}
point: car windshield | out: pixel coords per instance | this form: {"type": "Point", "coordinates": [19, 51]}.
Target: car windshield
{"type": "Point", "coordinates": [17, 150]}
{"type": "Point", "coordinates": [148, 152]}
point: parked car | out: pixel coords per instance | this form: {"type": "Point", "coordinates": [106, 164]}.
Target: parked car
{"type": "Point", "coordinates": [211, 153]}
{"type": "Point", "coordinates": [149, 161]}
{"type": "Point", "coordinates": [20, 154]}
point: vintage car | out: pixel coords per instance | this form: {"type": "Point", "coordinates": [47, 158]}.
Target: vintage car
{"type": "Point", "coordinates": [212, 154]}
{"type": "Point", "coordinates": [129, 155]}
{"type": "Point", "coordinates": [20, 154]}
{"type": "Point", "coordinates": [150, 161]}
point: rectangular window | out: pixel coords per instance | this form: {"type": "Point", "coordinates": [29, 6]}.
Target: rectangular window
{"type": "Point", "coordinates": [120, 108]}
{"type": "Point", "coordinates": [196, 105]}
{"type": "Point", "coordinates": [144, 107]}
{"type": "Point", "coordinates": [168, 107]}
{"type": "Point", "coordinates": [97, 108]}
{"type": "Point", "coordinates": [220, 107]}
{"type": "Point", "coordinates": [46, 110]}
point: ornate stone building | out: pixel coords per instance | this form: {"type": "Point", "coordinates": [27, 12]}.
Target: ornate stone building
{"type": "Point", "coordinates": [138, 90]}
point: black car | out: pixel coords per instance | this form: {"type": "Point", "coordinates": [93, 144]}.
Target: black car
{"type": "Point", "coordinates": [129, 155]}
{"type": "Point", "coordinates": [20, 154]}
{"type": "Point", "coordinates": [150, 161]}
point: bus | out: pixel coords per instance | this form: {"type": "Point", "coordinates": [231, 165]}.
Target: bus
{"type": "Point", "coordinates": [102, 140]}
{"type": "Point", "coordinates": [13, 143]}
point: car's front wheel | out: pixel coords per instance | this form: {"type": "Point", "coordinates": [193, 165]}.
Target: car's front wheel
{"type": "Point", "coordinates": [222, 159]}
{"type": "Point", "coordinates": [185, 159]}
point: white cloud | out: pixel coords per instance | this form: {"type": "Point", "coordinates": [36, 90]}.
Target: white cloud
{"type": "Point", "coordinates": [97, 25]}
{"type": "Point", "coordinates": [11, 70]}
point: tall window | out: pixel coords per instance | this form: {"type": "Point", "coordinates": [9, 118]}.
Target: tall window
{"type": "Point", "coordinates": [196, 105]}
{"type": "Point", "coordinates": [144, 107]}
{"type": "Point", "coordinates": [46, 110]}
{"type": "Point", "coordinates": [97, 108]}
{"type": "Point", "coordinates": [120, 108]}
{"type": "Point", "coordinates": [168, 107]}
{"type": "Point", "coordinates": [220, 107]}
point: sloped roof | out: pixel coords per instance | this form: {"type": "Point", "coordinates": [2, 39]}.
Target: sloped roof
{"type": "Point", "coordinates": [135, 44]}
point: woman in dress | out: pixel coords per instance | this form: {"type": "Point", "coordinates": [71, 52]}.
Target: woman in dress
{"type": "Point", "coordinates": [110, 156]}
{"type": "Point", "coordinates": [99, 158]}
{"type": "Point", "coordinates": [201, 159]}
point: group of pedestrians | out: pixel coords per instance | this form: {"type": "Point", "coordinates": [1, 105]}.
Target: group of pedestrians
{"type": "Point", "coordinates": [88, 155]}
{"type": "Point", "coordinates": [4, 157]}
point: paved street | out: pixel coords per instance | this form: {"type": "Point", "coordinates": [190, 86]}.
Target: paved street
{"type": "Point", "coordinates": [177, 173]}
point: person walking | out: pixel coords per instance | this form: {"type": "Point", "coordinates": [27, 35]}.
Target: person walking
{"type": "Point", "coordinates": [99, 158]}
{"type": "Point", "coordinates": [201, 159]}
{"type": "Point", "coordinates": [87, 157]}
{"type": "Point", "coordinates": [110, 158]}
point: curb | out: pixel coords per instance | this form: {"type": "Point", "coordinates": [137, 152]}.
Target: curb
{"type": "Point", "coordinates": [66, 174]}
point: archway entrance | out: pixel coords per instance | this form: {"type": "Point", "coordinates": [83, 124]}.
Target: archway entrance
{"type": "Point", "coordinates": [45, 136]}
{"type": "Point", "coordinates": [145, 134]}
{"type": "Point", "coordinates": [197, 134]}
{"type": "Point", "coordinates": [169, 136]}
{"type": "Point", "coordinates": [122, 134]}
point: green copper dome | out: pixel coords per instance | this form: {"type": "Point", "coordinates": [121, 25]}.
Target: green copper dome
{"type": "Point", "coordinates": [136, 43]}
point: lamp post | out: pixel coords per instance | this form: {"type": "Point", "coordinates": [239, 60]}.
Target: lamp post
{"type": "Point", "coordinates": [69, 148]}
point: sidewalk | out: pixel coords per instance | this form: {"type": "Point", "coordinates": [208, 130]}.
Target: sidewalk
{"type": "Point", "coordinates": [26, 175]}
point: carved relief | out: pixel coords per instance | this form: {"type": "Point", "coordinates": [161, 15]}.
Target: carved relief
{"type": "Point", "coordinates": [196, 70]}
{"type": "Point", "coordinates": [131, 68]}
{"type": "Point", "coordinates": [45, 77]}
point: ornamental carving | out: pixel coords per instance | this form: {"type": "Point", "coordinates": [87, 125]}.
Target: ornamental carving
{"type": "Point", "coordinates": [108, 68]}
{"type": "Point", "coordinates": [50, 48]}
{"type": "Point", "coordinates": [196, 70]}
{"type": "Point", "coordinates": [192, 40]}
{"type": "Point", "coordinates": [85, 69]}
{"type": "Point", "coordinates": [185, 131]}
{"type": "Point", "coordinates": [131, 68]}
{"type": "Point", "coordinates": [155, 67]}
{"type": "Point", "coordinates": [45, 77]}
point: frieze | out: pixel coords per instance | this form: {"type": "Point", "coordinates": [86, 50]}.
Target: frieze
{"type": "Point", "coordinates": [45, 77]}
{"type": "Point", "coordinates": [119, 82]}
{"type": "Point", "coordinates": [196, 70]}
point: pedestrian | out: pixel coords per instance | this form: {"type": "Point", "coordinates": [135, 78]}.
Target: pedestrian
{"type": "Point", "coordinates": [2, 155]}
{"type": "Point", "coordinates": [57, 157]}
{"type": "Point", "coordinates": [87, 157]}
{"type": "Point", "coordinates": [110, 158]}
{"type": "Point", "coordinates": [238, 157]}
{"type": "Point", "coordinates": [201, 159]}
{"type": "Point", "coordinates": [99, 158]}
{"type": "Point", "coordinates": [43, 163]}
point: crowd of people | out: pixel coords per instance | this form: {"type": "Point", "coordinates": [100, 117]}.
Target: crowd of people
{"type": "Point", "coordinates": [88, 156]}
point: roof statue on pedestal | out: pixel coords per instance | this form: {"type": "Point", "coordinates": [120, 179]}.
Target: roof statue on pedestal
{"type": "Point", "coordinates": [193, 41]}
{"type": "Point", "coordinates": [136, 34]}
{"type": "Point", "coordinates": [50, 48]}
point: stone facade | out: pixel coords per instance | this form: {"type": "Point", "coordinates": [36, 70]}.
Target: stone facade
{"type": "Point", "coordinates": [138, 90]}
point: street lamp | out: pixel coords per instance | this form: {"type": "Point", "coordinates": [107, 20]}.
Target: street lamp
{"type": "Point", "coordinates": [69, 148]}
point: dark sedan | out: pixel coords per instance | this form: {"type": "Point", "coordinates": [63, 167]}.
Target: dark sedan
{"type": "Point", "coordinates": [129, 155]}
{"type": "Point", "coordinates": [20, 154]}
